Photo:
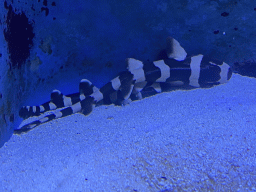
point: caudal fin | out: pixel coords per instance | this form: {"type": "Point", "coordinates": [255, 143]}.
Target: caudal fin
{"type": "Point", "coordinates": [85, 107]}
{"type": "Point", "coordinates": [59, 100]}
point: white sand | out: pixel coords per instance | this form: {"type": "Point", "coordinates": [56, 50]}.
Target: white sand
{"type": "Point", "coordinates": [202, 139]}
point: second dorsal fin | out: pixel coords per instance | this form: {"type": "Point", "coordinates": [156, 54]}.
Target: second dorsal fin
{"type": "Point", "coordinates": [86, 87]}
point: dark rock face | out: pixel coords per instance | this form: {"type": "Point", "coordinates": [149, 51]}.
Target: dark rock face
{"type": "Point", "coordinates": [19, 36]}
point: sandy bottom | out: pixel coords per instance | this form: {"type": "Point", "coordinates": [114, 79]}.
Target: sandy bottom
{"type": "Point", "coordinates": [201, 140]}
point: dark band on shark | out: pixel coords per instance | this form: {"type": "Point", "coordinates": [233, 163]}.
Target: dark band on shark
{"type": "Point", "coordinates": [139, 81]}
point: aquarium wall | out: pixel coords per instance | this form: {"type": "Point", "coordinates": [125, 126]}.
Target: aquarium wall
{"type": "Point", "coordinates": [53, 44]}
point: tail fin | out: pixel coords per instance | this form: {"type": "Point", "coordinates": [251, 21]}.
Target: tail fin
{"type": "Point", "coordinates": [58, 100]}
{"type": "Point", "coordinates": [85, 106]}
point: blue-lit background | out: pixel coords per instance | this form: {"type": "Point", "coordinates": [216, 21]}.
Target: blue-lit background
{"type": "Point", "coordinates": [60, 42]}
{"type": "Point", "coordinates": [200, 140]}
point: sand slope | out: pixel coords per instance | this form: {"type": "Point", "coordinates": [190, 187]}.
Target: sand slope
{"type": "Point", "coordinates": [202, 139]}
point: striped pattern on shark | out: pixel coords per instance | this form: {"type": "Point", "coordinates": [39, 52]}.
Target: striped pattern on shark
{"type": "Point", "coordinates": [139, 81]}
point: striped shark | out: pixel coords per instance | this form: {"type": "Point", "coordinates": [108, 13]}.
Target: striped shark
{"type": "Point", "coordinates": [175, 71]}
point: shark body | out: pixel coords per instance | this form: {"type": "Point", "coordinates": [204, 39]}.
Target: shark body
{"type": "Point", "coordinates": [140, 80]}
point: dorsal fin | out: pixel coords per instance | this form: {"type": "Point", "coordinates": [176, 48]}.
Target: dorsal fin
{"type": "Point", "coordinates": [174, 49]}
{"type": "Point", "coordinates": [86, 87]}
{"type": "Point", "coordinates": [56, 94]}
{"type": "Point", "coordinates": [59, 100]}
